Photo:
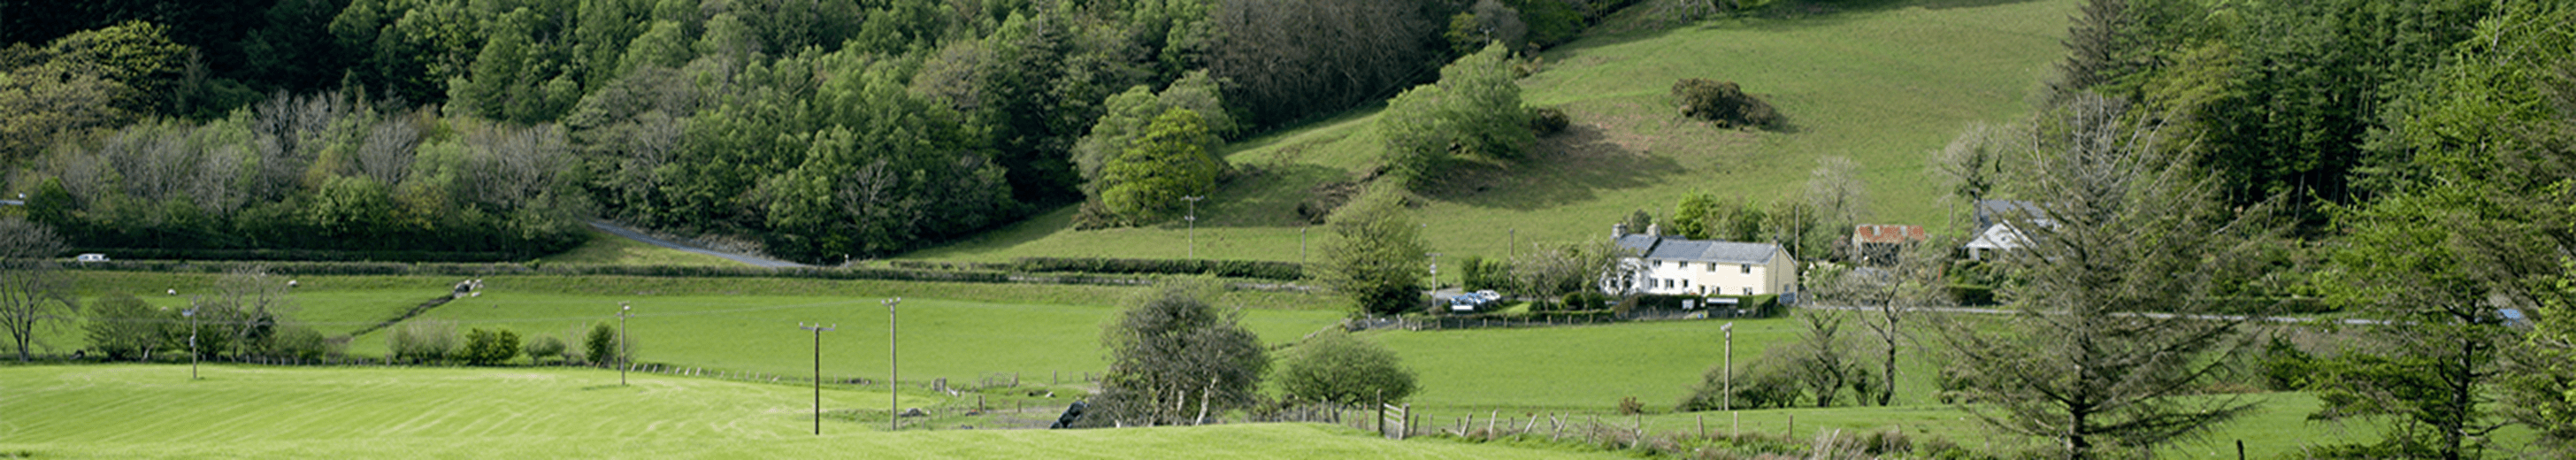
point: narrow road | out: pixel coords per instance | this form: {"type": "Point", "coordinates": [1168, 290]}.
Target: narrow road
{"type": "Point", "coordinates": [1997, 311]}
{"type": "Point", "coordinates": [613, 229]}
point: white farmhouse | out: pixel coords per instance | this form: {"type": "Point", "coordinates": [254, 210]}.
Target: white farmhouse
{"type": "Point", "coordinates": [1995, 232]}
{"type": "Point", "coordinates": [1676, 265]}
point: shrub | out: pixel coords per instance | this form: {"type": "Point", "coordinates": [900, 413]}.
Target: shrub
{"type": "Point", "coordinates": [600, 347]}
{"type": "Point", "coordinates": [1581, 301]}
{"type": "Point", "coordinates": [2286, 367]}
{"type": "Point", "coordinates": [544, 346]}
{"type": "Point", "coordinates": [1338, 368]}
{"type": "Point", "coordinates": [1546, 121]}
{"type": "Point", "coordinates": [486, 348]}
{"type": "Point", "coordinates": [1724, 103]}
{"type": "Point", "coordinates": [1966, 294]}
{"type": "Point", "coordinates": [1479, 273]}
{"type": "Point", "coordinates": [1630, 406]}
{"type": "Point", "coordinates": [1761, 384]}
{"type": "Point", "coordinates": [297, 341]}
{"type": "Point", "coordinates": [426, 340]}
{"type": "Point", "coordinates": [122, 327]}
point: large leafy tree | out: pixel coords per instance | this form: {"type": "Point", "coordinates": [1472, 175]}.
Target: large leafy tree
{"type": "Point", "coordinates": [1376, 256]}
{"type": "Point", "coordinates": [1473, 112]}
{"type": "Point", "coordinates": [1169, 161]}
{"type": "Point", "coordinates": [1174, 359]}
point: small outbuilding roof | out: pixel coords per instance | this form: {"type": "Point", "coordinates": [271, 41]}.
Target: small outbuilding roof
{"type": "Point", "coordinates": [1887, 234]}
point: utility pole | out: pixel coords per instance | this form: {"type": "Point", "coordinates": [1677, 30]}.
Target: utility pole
{"type": "Point", "coordinates": [818, 330]}
{"type": "Point", "coordinates": [1729, 329]}
{"type": "Point", "coordinates": [191, 313]}
{"type": "Point", "coordinates": [1194, 223]}
{"type": "Point", "coordinates": [625, 353]}
{"type": "Point", "coordinates": [894, 370]}
{"type": "Point", "coordinates": [1435, 271]}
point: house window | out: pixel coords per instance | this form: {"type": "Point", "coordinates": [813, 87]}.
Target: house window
{"type": "Point", "coordinates": [1712, 267]}
{"type": "Point", "coordinates": [1685, 284]}
{"type": "Point", "coordinates": [1748, 268]}
{"type": "Point", "coordinates": [1659, 264]}
{"type": "Point", "coordinates": [1748, 290]}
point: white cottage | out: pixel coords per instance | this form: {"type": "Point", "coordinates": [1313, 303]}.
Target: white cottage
{"type": "Point", "coordinates": [1677, 265]}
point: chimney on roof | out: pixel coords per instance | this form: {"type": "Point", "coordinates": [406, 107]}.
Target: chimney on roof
{"type": "Point", "coordinates": [1655, 230]}
{"type": "Point", "coordinates": [1618, 230]}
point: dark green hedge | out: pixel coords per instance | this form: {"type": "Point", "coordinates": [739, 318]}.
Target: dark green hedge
{"type": "Point", "coordinates": [1255, 269]}
{"type": "Point", "coordinates": [487, 269]}
{"type": "Point", "coordinates": [298, 255]}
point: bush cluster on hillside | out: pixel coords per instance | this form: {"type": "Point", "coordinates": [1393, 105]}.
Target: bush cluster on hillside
{"type": "Point", "coordinates": [1723, 103]}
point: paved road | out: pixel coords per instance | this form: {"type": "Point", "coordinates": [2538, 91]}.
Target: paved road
{"type": "Point", "coordinates": [613, 229]}
{"type": "Point", "coordinates": [1993, 311]}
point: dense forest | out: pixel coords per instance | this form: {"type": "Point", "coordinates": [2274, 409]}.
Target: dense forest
{"type": "Point", "coordinates": [822, 130]}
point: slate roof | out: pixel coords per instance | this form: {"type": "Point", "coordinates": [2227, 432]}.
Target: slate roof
{"type": "Point", "coordinates": [1991, 212]}
{"type": "Point", "coordinates": [1678, 248]}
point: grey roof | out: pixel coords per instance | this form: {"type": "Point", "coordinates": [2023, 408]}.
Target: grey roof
{"type": "Point", "coordinates": [1990, 212]}
{"type": "Point", "coordinates": [1678, 248]}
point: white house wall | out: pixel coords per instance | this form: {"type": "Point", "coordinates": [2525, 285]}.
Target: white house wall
{"type": "Point", "coordinates": [1697, 278]}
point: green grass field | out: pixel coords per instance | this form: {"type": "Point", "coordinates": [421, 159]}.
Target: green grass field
{"type": "Point", "coordinates": [959, 340]}
{"type": "Point", "coordinates": [132, 411]}
{"type": "Point", "coordinates": [607, 249]}
{"type": "Point", "coordinates": [1885, 83]}
{"type": "Point", "coordinates": [962, 332]}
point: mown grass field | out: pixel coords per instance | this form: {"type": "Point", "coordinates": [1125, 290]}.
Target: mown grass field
{"type": "Point", "coordinates": [1885, 83]}
{"type": "Point", "coordinates": [135, 411]}
{"type": "Point", "coordinates": [961, 332]}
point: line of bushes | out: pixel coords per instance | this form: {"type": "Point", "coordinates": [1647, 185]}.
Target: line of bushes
{"type": "Point", "coordinates": [1254, 269]}
{"type": "Point", "coordinates": [492, 269]}
{"type": "Point", "coordinates": [488, 269]}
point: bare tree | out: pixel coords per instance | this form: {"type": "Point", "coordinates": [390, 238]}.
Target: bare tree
{"type": "Point", "coordinates": [1837, 191]}
{"type": "Point", "coordinates": [1888, 299]}
{"type": "Point", "coordinates": [1821, 358]}
{"type": "Point", "coordinates": [386, 156]}
{"type": "Point", "coordinates": [249, 304]}
{"type": "Point", "coordinates": [1555, 270]}
{"type": "Point", "coordinates": [2111, 344]}
{"type": "Point", "coordinates": [34, 293]}
{"type": "Point", "coordinates": [1971, 164]}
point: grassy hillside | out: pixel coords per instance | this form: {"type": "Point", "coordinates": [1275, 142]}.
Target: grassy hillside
{"type": "Point", "coordinates": [154, 412]}
{"type": "Point", "coordinates": [1884, 83]}
{"type": "Point", "coordinates": [606, 249]}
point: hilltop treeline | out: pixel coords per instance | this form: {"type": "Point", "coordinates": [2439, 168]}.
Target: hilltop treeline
{"type": "Point", "coordinates": [823, 129]}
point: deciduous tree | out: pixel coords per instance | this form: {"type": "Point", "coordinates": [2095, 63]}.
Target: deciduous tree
{"type": "Point", "coordinates": [1174, 359]}
{"type": "Point", "coordinates": [35, 295]}
{"type": "Point", "coordinates": [1376, 255]}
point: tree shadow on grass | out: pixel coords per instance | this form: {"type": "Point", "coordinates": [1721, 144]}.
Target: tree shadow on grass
{"type": "Point", "coordinates": [1569, 167]}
